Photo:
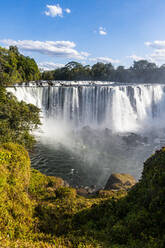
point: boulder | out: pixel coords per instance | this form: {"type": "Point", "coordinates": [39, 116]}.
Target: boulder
{"type": "Point", "coordinates": [84, 191]}
{"type": "Point", "coordinates": [120, 182]}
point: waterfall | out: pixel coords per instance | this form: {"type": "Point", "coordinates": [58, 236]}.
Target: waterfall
{"type": "Point", "coordinates": [91, 130]}
{"type": "Point", "coordinates": [121, 108]}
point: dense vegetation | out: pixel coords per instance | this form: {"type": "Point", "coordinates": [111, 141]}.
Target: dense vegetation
{"type": "Point", "coordinates": [141, 72]}
{"type": "Point", "coordinates": [17, 120]}
{"type": "Point", "coordinates": [16, 68]}
{"type": "Point", "coordinates": [40, 211]}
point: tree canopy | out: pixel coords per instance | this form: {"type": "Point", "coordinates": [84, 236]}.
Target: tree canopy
{"type": "Point", "coordinates": [16, 68]}
{"type": "Point", "coordinates": [141, 71]}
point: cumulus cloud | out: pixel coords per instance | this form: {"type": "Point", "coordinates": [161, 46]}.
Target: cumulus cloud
{"type": "Point", "coordinates": [49, 66]}
{"type": "Point", "coordinates": [102, 31]}
{"type": "Point", "coordinates": [54, 10]}
{"type": "Point", "coordinates": [104, 60]}
{"type": "Point", "coordinates": [65, 49]}
{"type": "Point", "coordinates": [67, 10]}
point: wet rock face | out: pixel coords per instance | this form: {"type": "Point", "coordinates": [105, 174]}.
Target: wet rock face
{"type": "Point", "coordinates": [120, 182]}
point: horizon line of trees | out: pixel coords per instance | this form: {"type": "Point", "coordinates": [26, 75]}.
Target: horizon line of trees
{"type": "Point", "coordinates": [141, 71]}
{"type": "Point", "coordinates": [17, 68]}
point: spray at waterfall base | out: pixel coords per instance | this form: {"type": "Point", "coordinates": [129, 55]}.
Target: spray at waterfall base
{"type": "Point", "coordinates": [90, 132]}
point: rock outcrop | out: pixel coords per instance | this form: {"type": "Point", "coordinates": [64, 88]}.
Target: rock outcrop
{"type": "Point", "coordinates": [120, 182]}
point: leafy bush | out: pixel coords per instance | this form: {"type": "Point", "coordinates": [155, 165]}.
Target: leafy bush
{"type": "Point", "coordinates": [40, 211]}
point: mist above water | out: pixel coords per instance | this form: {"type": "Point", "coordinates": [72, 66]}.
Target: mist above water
{"type": "Point", "coordinates": [91, 131]}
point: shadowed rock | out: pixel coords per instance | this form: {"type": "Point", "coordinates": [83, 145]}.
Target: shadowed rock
{"type": "Point", "coordinates": [120, 181]}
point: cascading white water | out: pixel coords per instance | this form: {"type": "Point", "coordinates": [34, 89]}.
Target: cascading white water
{"type": "Point", "coordinates": [91, 130]}
{"type": "Point", "coordinates": [122, 108]}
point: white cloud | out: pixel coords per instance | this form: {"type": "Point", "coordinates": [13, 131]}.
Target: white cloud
{"type": "Point", "coordinates": [136, 58]}
{"type": "Point", "coordinates": [85, 54]}
{"type": "Point", "coordinates": [54, 10]}
{"type": "Point", "coordinates": [158, 44]}
{"type": "Point", "coordinates": [158, 55]}
{"type": "Point", "coordinates": [102, 31]}
{"type": "Point", "coordinates": [65, 49]}
{"type": "Point", "coordinates": [147, 57]}
{"type": "Point", "coordinates": [67, 10]}
{"type": "Point", "coordinates": [49, 66]}
{"type": "Point", "coordinates": [104, 60]}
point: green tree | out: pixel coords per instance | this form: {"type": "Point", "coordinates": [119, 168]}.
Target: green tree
{"type": "Point", "coordinates": [16, 68]}
{"type": "Point", "coordinates": [17, 120]}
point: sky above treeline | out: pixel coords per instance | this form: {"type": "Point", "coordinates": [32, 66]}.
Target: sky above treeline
{"type": "Point", "coordinates": [55, 32]}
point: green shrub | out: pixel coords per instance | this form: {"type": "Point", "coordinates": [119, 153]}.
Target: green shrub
{"type": "Point", "coordinates": [65, 192]}
{"type": "Point", "coordinates": [15, 205]}
{"type": "Point", "coordinates": [40, 211]}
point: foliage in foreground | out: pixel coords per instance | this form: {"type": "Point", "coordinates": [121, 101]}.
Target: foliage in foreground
{"type": "Point", "coordinates": [40, 211]}
{"type": "Point", "coordinates": [17, 120]}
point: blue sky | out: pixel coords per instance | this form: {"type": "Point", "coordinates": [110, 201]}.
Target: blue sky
{"type": "Point", "coordinates": [56, 32]}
